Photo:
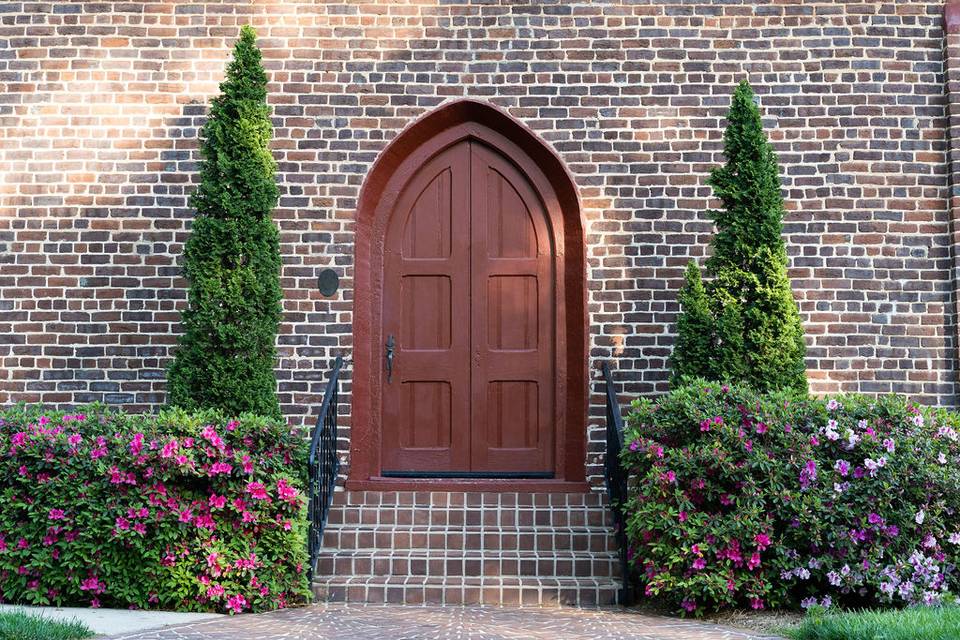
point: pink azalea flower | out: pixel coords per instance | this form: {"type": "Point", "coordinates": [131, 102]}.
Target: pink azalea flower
{"type": "Point", "coordinates": [74, 440]}
{"type": "Point", "coordinates": [217, 502]}
{"type": "Point", "coordinates": [56, 514]}
{"type": "Point", "coordinates": [762, 540]}
{"type": "Point", "coordinates": [257, 491]}
{"type": "Point", "coordinates": [236, 603]}
{"type": "Point", "coordinates": [170, 449]}
{"type": "Point", "coordinates": [136, 445]}
{"type": "Point", "coordinates": [286, 492]}
{"type": "Point", "coordinates": [220, 467]}
{"type": "Point", "coordinates": [100, 450]}
{"type": "Point", "coordinates": [211, 436]}
{"type": "Point", "coordinates": [92, 584]}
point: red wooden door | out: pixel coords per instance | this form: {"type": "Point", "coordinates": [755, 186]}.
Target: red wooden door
{"type": "Point", "coordinates": [469, 300]}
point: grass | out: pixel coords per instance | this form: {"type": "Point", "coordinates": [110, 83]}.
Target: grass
{"type": "Point", "coordinates": [17, 625]}
{"type": "Point", "coordinates": [919, 623]}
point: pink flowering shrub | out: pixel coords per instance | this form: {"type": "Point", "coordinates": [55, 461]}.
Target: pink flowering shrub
{"type": "Point", "coordinates": [186, 511]}
{"type": "Point", "coordinates": [741, 499]}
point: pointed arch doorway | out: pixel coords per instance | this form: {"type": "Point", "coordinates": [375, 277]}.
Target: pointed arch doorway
{"type": "Point", "coordinates": [469, 308]}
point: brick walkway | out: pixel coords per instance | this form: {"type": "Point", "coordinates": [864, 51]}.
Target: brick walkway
{"type": "Point", "coordinates": [372, 622]}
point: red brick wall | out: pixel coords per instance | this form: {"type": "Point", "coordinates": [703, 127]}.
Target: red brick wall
{"type": "Point", "coordinates": [100, 103]}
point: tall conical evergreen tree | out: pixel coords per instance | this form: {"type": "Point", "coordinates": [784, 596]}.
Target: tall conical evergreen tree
{"type": "Point", "coordinates": [227, 354]}
{"type": "Point", "coordinates": [754, 330]}
{"type": "Point", "coordinates": [693, 353]}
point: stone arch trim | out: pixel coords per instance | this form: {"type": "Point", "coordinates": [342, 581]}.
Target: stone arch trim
{"type": "Point", "coordinates": [421, 140]}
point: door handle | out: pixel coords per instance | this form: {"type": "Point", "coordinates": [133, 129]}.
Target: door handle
{"type": "Point", "coordinates": [390, 345]}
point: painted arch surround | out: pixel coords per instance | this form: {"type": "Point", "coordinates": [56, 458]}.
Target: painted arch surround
{"type": "Point", "coordinates": [423, 140]}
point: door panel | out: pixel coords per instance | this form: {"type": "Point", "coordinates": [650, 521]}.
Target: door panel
{"type": "Point", "coordinates": [513, 313]}
{"type": "Point", "coordinates": [469, 296]}
{"type": "Point", "coordinates": [426, 304]}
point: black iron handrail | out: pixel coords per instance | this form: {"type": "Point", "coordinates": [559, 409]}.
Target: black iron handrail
{"type": "Point", "coordinates": [616, 477]}
{"type": "Point", "coordinates": [323, 465]}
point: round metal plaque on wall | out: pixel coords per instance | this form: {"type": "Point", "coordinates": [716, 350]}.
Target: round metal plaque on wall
{"type": "Point", "coordinates": [328, 281]}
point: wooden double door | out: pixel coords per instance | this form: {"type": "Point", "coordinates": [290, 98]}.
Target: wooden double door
{"type": "Point", "coordinates": [469, 322]}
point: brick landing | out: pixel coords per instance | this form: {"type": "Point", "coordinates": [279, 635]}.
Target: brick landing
{"type": "Point", "coordinates": [386, 622]}
{"type": "Point", "coordinates": [468, 548]}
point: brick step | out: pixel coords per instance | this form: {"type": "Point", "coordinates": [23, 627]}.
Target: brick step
{"type": "Point", "coordinates": [469, 499]}
{"type": "Point", "coordinates": [439, 509]}
{"type": "Point", "coordinates": [470, 563]}
{"type": "Point", "coordinates": [482, 538]}
{"type": "Point", "coordinates": [499, 591]}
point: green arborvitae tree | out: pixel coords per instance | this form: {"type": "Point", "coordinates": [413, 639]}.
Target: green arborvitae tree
{"type": "Point", "coordinates": [754, 328]}
{"type": "Point", "coordinates": [227, 354]}
{"type": "Point", "coordinates": [693, 353]}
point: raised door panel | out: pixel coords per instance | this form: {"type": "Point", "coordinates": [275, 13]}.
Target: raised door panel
{"type": "Point", "coordinates": [425, 416]}
{"type": "Point", "coordinates": [512, 307]}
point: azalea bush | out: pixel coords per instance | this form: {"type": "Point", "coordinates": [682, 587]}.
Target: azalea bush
{"type": "Point", "coordinates": [189, 511]}
{"type": "Point", "coordinates": [763, 500]}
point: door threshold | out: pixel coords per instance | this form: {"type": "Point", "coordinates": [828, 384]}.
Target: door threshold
{"type": "Point", "coordinates": [471, 475]}
{"type": "Point", "coordinates": [487, 485]}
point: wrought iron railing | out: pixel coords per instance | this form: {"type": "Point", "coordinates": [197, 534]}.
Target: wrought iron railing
{"type": "Point", "coordinates": [323, 465]}
{"type": "Point", "coordinates": [616, 477]}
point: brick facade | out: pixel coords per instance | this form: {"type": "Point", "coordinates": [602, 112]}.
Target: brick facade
{"type": "Point", "coordinates": [101, 102]}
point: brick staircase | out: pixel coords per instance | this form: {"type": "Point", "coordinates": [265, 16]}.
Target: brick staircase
{"type": "Point", "coordinates": [527, 549]}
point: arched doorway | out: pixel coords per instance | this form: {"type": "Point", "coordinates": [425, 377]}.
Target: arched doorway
{"type": "Point", "coordinates": [469, 329]}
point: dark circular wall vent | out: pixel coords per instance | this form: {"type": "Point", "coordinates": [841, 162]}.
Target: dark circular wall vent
{"type": "Point", "coordinates": [328, 281]}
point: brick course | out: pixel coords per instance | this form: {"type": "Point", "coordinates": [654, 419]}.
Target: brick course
{"type": "Point", "coordinates": [101, 102]}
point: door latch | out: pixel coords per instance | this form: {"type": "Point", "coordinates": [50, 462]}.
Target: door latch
{"type": "Point", "coordinates": [390, 345]}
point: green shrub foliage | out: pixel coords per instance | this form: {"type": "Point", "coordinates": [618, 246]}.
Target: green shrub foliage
{"type": "Point", "coordinates": [745, 317]}
{"type": "Point", "coordinates": [227, 354]}
{"type": "Point", "coordinates": [745, 499]}
{"type": "Point", "coordinates": [176, 511]}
